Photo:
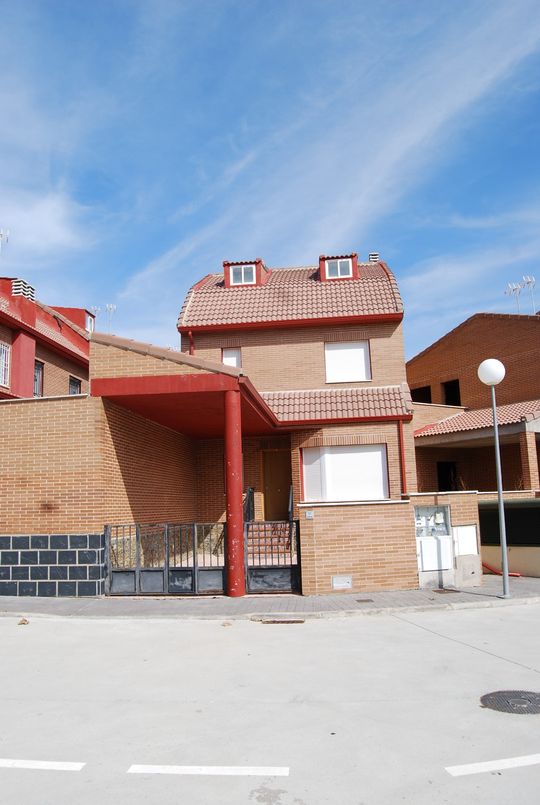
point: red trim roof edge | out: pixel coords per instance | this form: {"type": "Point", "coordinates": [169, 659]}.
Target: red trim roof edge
{"type": "Point", "coordinates": [376, 318]}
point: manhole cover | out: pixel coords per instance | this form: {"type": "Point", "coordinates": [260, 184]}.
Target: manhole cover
{"type": "Point", "coordinates": [512, 701]}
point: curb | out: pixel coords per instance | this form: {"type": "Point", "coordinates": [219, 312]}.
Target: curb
{"type": "Point", "coordinates": [295, 615]}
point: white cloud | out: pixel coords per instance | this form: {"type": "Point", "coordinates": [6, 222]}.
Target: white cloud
{"type": "Point", "coordinates": [42, 228]}
{"type": "Point", "coordinates": [365, 149]}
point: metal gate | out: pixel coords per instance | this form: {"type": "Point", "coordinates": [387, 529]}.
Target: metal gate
{"type": "Point", "coordinates": [170, 558]}
{"type": "Point", "coordinates": [272, 556]}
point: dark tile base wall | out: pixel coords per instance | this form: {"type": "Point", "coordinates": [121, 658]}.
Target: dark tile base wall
{"type": "Point", "coordinates": [52, 565]}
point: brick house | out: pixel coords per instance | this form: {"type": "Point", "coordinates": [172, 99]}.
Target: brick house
{"type": "Point", "coordinates": [454, 445]}
{"type": "Point", "coordinates": [275, 450]}
{"type": "Point", "coordinates": [44, 351]}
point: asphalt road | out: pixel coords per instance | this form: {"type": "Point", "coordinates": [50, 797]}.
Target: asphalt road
{"type": "Point", "coordinates": [363, 710]}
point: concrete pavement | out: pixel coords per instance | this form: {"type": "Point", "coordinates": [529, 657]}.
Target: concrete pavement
{"type": "Point", "coordinates": [359, 711]}
{"type": "Point", "coordinates": [523, 590]}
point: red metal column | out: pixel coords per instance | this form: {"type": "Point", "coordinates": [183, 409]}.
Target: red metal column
{"type": "Point", "coordinates": [236, 578]}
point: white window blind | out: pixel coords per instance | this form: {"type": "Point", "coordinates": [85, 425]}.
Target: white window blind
{"type": "Point", "coordinates": [232, 356]}
{"type": "Point", "coordinates": [5, 351]}
{"type": "Point", "coordinates": [358, 472]}
{"type": "Point", "coordinates": [347, 362]}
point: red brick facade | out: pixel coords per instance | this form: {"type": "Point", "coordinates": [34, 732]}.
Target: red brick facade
{"type": "Point", "coordinates": [513, 339]}
{"type": "Point", "coordinates": [78, 464]}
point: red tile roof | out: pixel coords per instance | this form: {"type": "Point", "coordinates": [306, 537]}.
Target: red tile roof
{"type": "Point", "coordinates": [291, 294]}
{"type": "Point", "coordinates": [482, 418]}
{"type": "Point", "coordinates": [351, 403]}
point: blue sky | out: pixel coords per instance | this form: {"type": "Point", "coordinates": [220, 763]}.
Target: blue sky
{"type": "Point", "coordinates": [144, 141]}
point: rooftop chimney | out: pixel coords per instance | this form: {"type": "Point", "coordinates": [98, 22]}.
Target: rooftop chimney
{"type": "Point", "coordinates": [373, 257]}
{"type": "Point", "coordinates": [22, 288]}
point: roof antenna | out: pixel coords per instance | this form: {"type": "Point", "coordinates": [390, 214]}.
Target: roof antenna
{"type": "Point", "coordinates": [514, 289]}
{"type": "Point", "coordinates": [110, 310]}
{"type": "Point", "coordinates": [4, 237]}
{"type": "Point", "coordinates": [530, 282]}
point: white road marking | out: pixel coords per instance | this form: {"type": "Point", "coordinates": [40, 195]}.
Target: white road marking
{"type": "Point", "coordinates": [44, 765]}
{"type": "Point", "coordinates": [493, 765]}
{"type": "Point", "coordinates": [229, 771]}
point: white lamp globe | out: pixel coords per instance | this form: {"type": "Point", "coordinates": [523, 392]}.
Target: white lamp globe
{"type": "Point", "coordinates": [491, 372]}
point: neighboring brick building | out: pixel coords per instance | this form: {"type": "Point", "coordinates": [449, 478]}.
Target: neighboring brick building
{"type": "Point", "coordinates": [446, 372]}
{"type": "Point", "coordinates": [287, 404]}
{"type": "Point", "coordinates": [454, 446]}
{"type": "Point", "coordinates": [43, 350]}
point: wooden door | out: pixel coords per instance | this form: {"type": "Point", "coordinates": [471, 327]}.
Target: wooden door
{"type": "Point", "coordinates": [277, 483]}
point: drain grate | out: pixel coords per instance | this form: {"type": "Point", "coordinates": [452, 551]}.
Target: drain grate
{"type": "Point", "coordinates": [364, 600]}
{"type": "Point", "coordinates": [512, 701]}
{"type": "Point", "coordinates": [444, 590]}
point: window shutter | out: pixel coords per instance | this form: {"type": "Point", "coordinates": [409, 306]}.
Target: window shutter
{"type": "Point", "coordinates": [347, 362]}
{"type": "Point", "coordinates": [313, 489]}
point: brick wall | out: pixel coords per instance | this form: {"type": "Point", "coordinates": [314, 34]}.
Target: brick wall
{"type": "Point", "coordinates": [149, 471]}
{"type": "Point", "coordinates": [514, 340]}
{"type": "Point", "coordinates": [373, 543]}
{"type": "Point", "coordinates": [52, 565]}
{"type": "Point", "coordinates": [72, 465]}
{"type": "Point", "coordinates": [282, 359]}
{"type": "Point", "coordinates": [50, 468]}
{"type": "Point", "coordinates": [113, 361]}
{"type": "Point", "coordinates": [475, 467]}
{"type": "Point", "coordinates": [57, 371]}
{"type": "Point", "coordinates": [427, 414]}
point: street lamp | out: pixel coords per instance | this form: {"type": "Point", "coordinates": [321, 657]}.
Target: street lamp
{"type": "Point", "coordinates": [491, 372]}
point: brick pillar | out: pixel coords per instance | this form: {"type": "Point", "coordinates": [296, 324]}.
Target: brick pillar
{"type": "Point", "coordinates": [529, 460]}
{"type": "Point", "coordinates": [23, 357]}
{"type": "Point", "coordinates": [235, 563]}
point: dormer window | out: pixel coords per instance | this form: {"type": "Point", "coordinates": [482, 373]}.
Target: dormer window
{"type": "Point", "coordinates": [338, 268]}
{"type": "Point", "coordinates": [243, 275]}
{"type": "Point", "coordinates": [237, 274]}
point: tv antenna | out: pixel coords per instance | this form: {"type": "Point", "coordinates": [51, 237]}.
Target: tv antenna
{"type": "Point", "coordinates": [110, 310]}
{"type": "Point", "coordinates": [529, 282]}
{"type": "Point", "coordinates": [96, 310]}
{"type": "Point", "coordinates": [4, 237]}
{"type": "Point", "coordinates": [514, 289]}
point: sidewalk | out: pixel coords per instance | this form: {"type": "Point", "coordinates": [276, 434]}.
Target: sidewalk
{"type": "Point", "coordinates": [523, 591]}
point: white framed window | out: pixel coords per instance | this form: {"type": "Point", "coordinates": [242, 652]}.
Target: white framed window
{"type": "Point", "coordinates": [5, 360]}
{"type": "Point", "coordinates": [355, 472]}
{"type": "Point", "coordinates": [243, 275]}
{"type": "Point", "coordinates": [347, 362]}
{"type": "Point", "coordinates": [232, 356]}
{"type": "Point", "coordinates": [338, 268]}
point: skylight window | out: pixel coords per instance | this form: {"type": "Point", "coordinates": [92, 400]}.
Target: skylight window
{"type": "Point", "coordinates": [243, 275]}
{"type": "Point", "coordinates": [335, 269]}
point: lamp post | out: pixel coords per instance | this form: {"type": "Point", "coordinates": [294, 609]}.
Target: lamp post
{"type": "Point", "coordinates": [491, 372]}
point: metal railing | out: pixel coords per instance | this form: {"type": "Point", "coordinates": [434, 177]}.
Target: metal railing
{"type": "Point", "coordinates": [160, 545]}
{"type": "Point", "coordinates": [272, 543]}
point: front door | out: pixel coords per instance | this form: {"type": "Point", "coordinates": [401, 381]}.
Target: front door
{"type": "Point", "coordinates": [277, 483]}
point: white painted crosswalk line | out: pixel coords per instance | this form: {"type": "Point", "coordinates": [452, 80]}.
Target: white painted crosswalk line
{"type": "Point", "coordinates": [493, 765]}
{"type": "Point", "coordinates": [42, 765]}
{"type": "Point", "coordinates": [214, 771]}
